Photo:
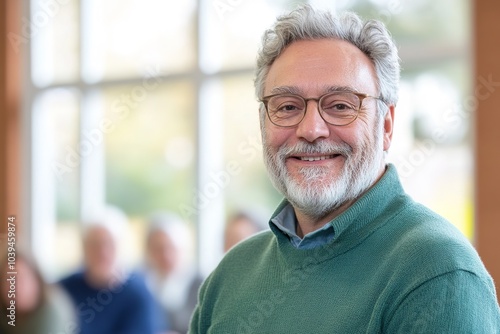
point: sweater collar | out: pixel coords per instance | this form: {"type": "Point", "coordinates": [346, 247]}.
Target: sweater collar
{"type": "Point", "coordinates": [358, 221]}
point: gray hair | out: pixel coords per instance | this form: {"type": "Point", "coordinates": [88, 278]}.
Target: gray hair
{"type": "Point", "coordinates": [110, 218]}
{"type": "Point", "coordinates": [306, 23]}
{"type": "Point", "coordinates": [172, 225]}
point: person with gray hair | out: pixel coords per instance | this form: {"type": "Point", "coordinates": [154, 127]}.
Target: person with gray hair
{"type": "Point", "coordinates": [169, 273]}
{"type": "Point", "coordinates": [107, 298]}
{"type": "Point", "coordinates": [348, 251]}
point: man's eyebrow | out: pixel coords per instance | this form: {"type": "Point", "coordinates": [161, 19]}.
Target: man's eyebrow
{"type": "Point", "coordinates": [344, 89]}
{"type": "Point", "coordinates": [297, 91]}
{"type": "Point", "coordinates": [286, 90]}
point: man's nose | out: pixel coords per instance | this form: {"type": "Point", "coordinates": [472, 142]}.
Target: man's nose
{"type": "Point", "coordinates": [313, 126]}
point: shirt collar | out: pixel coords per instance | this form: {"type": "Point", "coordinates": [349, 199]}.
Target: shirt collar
{"type": "Point", "coordinates": [286, 221]}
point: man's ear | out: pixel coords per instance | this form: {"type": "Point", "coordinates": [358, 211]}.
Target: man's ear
{"type": "Point", "coordinates": [388, 126]}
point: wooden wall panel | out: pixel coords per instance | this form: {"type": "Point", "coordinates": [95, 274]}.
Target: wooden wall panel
{"type": "Point", "coordinates": [487, 92]}
{"type": "Point", "coordinates": [10, 112]}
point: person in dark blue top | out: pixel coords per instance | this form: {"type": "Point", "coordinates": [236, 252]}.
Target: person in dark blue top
{"type": "Point", "coordinates": [124, 308]}
{"type": "Point", "coordinates": [107, 300]}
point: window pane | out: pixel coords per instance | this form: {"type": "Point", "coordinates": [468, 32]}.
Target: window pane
{"type": "Point", "coordinates": [55, 41]}
{"type": "Point", "coordinates": [432, 143]}
{"type": "Point", "coordinates": [125, 37]}
{"type": "Point", "coordinates": [56, 165]}
{"type": "Point", "coordinates": [250, 186]}
{"type": "Point", "coordinates": [231, 31]}
{"type": "Point", "coordinates": [57, 111]}
{"type": "Point", "coordinates": [150, 146]}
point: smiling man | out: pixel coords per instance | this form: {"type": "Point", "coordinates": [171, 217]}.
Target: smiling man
{"type": "Point", "coordinates": [323, 159]}
{"type": "Point", "coordinates": [348, 251]}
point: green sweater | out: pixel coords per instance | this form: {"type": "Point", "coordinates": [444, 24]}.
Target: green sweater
{"type": "Point", "coordinates": [394, 266]}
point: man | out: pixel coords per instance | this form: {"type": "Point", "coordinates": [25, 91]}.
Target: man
{"type": "Point", "coordinates": [107, 299]}
{"type": "Point", "coordinates": [348, 251]}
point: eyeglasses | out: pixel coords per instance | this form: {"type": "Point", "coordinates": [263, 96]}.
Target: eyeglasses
{"type": "Point", "coordinates": [337, 108]}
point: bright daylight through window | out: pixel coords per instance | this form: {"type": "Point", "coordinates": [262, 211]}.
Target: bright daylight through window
{"type": "Point", "coordinates": [149, 105]}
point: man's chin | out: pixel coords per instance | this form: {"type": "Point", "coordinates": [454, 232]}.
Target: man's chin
{"type": "Point", "coordinates": [315, 208]}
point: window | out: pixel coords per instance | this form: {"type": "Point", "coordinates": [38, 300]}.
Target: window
{"type": "Point", "coordinates": [149, 105]}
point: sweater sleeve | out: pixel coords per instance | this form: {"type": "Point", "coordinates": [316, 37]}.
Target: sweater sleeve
{"type": "Point", "coordinates": [196, 326]}
{"type": "Point", "coordinates": [194, 323]}
{"type": "Point", "coordinates": [455, 302]}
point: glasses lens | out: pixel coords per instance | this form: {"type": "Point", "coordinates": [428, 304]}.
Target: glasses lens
{"type": "Point", "coordinates": [286, 110]}
{"type": "Point", "coordinates": [340, 108]}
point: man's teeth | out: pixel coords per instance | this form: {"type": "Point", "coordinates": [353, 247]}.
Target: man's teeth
{"type": "Point", "coordinates": [324, 157]}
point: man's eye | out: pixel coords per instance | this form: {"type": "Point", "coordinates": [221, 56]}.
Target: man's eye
{"type": "Point", "coordinates": [288, 108]}
{"type": "Point", "coordinates": [341, 106]}
{"type": "Point", "coordinates": [333, 107]}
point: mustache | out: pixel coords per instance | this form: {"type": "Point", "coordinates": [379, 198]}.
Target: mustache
{"type": "Point", "coordinates": [323, 148]}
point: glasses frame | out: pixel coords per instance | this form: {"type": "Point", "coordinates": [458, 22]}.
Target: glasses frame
{"type": "Point", "coordinates": [361, 96]}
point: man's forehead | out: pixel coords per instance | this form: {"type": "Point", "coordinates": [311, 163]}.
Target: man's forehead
{"type": "Point", "coordinates": [321, 66]}
{"type": "Point", "coordinates": [324, 88]}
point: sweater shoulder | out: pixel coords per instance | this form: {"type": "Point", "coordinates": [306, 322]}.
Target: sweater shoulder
{"type": "Point", "coordinates": [423, 247]}
{"type": "Point", "coordinates": [424, 239]}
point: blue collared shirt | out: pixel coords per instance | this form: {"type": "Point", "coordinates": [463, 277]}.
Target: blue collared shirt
{"type": "Point", "coordinates": [286, 222]}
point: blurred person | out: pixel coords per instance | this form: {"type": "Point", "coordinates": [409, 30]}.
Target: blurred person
{"type": "Point", "coordinates": [349, 251]}
{"type": "Point", "coordinates": [169, 272]}
{"type": "Point", "coordinates": [31, 305]}
{"type": "Point", "coordinates": [108, 299]}
{"type": "Point", "coordinates": [242, 224]}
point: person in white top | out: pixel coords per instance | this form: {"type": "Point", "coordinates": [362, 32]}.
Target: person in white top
{"type": "Point", "coordinates": [169, 272]}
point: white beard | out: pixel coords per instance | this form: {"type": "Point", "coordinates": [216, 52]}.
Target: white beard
{"type": "Point", "coordinates": [317, 194]}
